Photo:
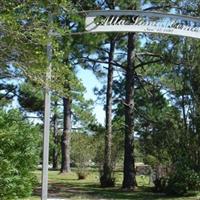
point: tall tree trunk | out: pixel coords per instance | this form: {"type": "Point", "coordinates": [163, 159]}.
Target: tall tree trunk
{"type": "Point", "coordinates": [55, 137]}
{"type": "Point", "coordinates": [66, 136]}
{"type": "Point", "coordinates": [129, 181]}
{"type": "Point", "coordinates": [184, 112]}
{"type": "Point", "coordinates": [197, 121]}
{"type": "Point", "coordinates": [106, 179]}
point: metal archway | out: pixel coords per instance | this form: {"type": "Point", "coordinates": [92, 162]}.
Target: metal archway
{"type": "Point", "coordinates": [119, 21]}
{"type": "Point", "coordinates": [145, 22]}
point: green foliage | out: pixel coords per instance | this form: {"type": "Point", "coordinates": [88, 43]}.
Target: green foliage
{"type": "Point", "coordinates": [7, 92]}
{"type": "Point", "coordinates": [167, 124]}
{"type": "Point", "coordinates": [160, 184]}
{"type": "Point", "coordinates": [176, 188]}
{"type": "Point", "coordinates": [18, 155]}
{"type": "Point", "coordinates": [31, 97]}
{"type": "Point", "coordinates": [25, 29]}
{"type": "Point", "coordinates": [182, 179]}
{"type": "Point", "coordinates": [151, 160]}
{"type": "Point", "coordinates": [82, 152]}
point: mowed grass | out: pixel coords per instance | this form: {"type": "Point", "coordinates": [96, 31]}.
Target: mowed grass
{"type": "Point", "coordinates": [67, 186]}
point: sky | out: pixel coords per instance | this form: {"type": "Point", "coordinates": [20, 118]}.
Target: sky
{"type": "Point", "coordinates": [90, 81]}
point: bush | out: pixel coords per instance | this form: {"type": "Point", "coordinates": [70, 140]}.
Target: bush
{"type": "Point", "coordinates": [18, 154]}
{"type": "Point", "coordinates": [176, 188]}
{"type": "Point", "coordinates": [151, 160]}
{"type": "Point", "coordinates": [82, 150]}
{"type": "Point", "coordinates": [182, 180]}
{"type": "Point", "coordinates": [82, 174]}
{"type": "Point", "coordinates": [160, 184]}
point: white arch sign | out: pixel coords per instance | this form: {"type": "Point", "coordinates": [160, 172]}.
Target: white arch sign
{"type": "Point", "coordinates": [140, 21]}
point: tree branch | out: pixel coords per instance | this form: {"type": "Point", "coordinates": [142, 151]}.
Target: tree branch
{"type": "Point", "coordinates": [147, 63]}
{"type": "Point", "coordinates": [101, 62]}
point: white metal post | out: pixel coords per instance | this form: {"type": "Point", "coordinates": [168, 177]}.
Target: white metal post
{"type": "Point", "coordinates": [47, 114]}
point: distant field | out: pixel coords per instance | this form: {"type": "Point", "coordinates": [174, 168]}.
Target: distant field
{"type": "Point", "coordinates": [69, 187]}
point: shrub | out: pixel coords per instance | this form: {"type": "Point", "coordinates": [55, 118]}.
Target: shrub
{"type": "Point", "coordinates": [82, 153]}
{"type": "Point", "coordinates": [151, 160]}
{"type": "Point", "coordinates": [176, 188]}
{"type": "Point", "coordinates": [18, 155]}
{"type": "Point", "coordinates": [160, 184]}
{"type": "Point", "coordinates": [82, 150]}
{"type": "Point", "coordinates": [82, 174]}
{"type": "Point", "coordinates": [182, 180]}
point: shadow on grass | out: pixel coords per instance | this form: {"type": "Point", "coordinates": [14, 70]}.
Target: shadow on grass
{"type": "Point", "coordinates": [91, 191]}
{"type": "Point", "coordinates": [70, 188]}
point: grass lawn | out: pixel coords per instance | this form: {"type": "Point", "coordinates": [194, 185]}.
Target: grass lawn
{"type": "Point", "coordinates": [69, 187]}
